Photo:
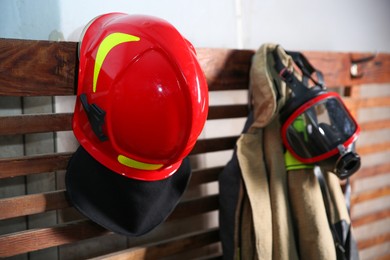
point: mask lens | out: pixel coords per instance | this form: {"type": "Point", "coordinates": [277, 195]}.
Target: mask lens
{"type": "Point", "coordinates": [316, 129]}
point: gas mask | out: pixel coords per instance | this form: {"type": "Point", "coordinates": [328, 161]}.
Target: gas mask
{"type": "Point", "coordinates": [317, 128]}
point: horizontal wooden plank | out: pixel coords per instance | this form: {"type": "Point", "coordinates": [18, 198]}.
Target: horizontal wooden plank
{"type": "Point", "coordinates": [215, 256]}
{"type": "Point", "coordinates": [370, 218]}
{"type": "Point", "coordinates": [31, 67]}
{"type": "Point", "coordinates": [386, 256]}
{"type": "Point", "coordinates": [35, 239]}
{"type": "Point", "coordinates": [336, 67]}
{"type": "Point", "coordinates": [375, 125]}
{"type": "Point", "coordinates": [32, 204]}
{"type": "Point", "coordinates": [228, 111]}
{"type": "Point", "coordinates": [37, 123]}
{"type": "Point", "coordinates": [167, 248]}
{"type": "Point", "coordinates": [205, 175]}
{"type": "Point", "coordinates": [370, 242]}
{"type": "Point", "coordinates": [376, 70]}
{"type": "Point", "coordinates": [370, 195]}
{"type": "Point", "coordinates": [357, 103]}
{"type": "Point", "coordinates": [37, 68]}
{"type": "Point", "coordinates": [372, 171]}
{"type": "Point", "coordinates": [12, 167]}
{"type": "Point", "coordinates": [195, 207]}
{"type": "Point", "coordinates": [214, 144]}
{"type": "Point", "coordinates": [373, 148]}
{"type": "Point", "coordinates": [42, 202]}
{"type": "Point", "coordinates": [228, 68]}
{"type": "Point", "coordinates": [225, 69]}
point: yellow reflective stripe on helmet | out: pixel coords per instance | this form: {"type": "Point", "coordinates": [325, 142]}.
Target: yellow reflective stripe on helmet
{"type": "Point", "coordinates": [137, 164]}
{"type": "Point", "coordinates": [105, 47]}
{"type": "Point", "coordinates": [294, 164]}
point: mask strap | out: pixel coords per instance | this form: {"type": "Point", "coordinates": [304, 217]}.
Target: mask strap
{"type": "Point", "coordinates": [298, 87]}
{"type": "Point", "coordinates": [288, 76]}
{"type": "Point", "coordinates": [306, 68]}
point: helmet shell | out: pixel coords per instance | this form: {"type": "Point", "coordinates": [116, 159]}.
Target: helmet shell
{"type": "Point", "coordinates": [145, 76]}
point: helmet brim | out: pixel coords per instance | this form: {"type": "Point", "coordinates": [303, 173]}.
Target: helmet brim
{"type": "Point", "coordinates": [125, 206]}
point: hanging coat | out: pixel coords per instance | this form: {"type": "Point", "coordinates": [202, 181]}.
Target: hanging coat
{"type": "Point", "coordinates": [267, 211]}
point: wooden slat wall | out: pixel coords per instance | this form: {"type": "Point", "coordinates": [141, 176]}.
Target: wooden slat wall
{"type": "Point", "coordinates": [371, 191]}
{"type": "Point", "coordinates": [41, 68]}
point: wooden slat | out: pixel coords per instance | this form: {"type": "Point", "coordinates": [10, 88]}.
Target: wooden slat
{"type": "Point", "coordinates": [205, 175]}
{"type": "Point", "coordinates": [370, 242]}
{"type": "Point", "coordinates": [386, 256]}
{"type": "Point", "coordinates": [37, 68]}
{"type": "Point", "coordinates": [372, 171]}
{"type": "Point", "coordinates": [43, 202]}
{"type": "Point", "coordinates": [11, 167]}
{"type": "Point", "coordinates": [40, 123]}
{"type": "Point", "coordinates": [32, 204]}
{"type": "Point", "coordinates": [336, 67]}
{"type": "Point", "coordinates": [37, 123]}
{"type": "Point", "coordinates": [356, 103]}
{"type": "Point", "coordinates": [369, 195]}
{"type": "Point", "coordinates": [373, 71]}
{"type": "Point", "coordinates": [214, 144]}
{"type": "Point", "coordinates": [370, 218]}
{"type": "Point", "coordinates": [48, 68]}
{"type": "Point", "coordinates": [35, 239]}
{"type": "Point", "coordinates": [195, 207]}
{"type": "Point", "coordinates": [228, 111]}
{"type": "Point", "coordinates": [167, 248]}
{"type": "Point", "coordinates": [216, 256]}
{"type": "Point", "coordinates": [375, 125]}
{"type": "Point", "coordinates": [225, 69]}
{"type": "Point", "coordinates": [373, 148]}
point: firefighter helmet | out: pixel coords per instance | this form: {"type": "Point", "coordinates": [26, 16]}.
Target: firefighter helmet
{"type": "Point", "coordinates": [142, 97]}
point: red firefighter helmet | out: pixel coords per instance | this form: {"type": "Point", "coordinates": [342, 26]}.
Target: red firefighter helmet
{"type": "Point", "coordinates": [142, 97]}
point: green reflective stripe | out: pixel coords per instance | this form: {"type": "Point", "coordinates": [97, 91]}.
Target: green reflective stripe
{"type": "Point", "coordinates": [105, 47]}
{"type": "Point", "coordinates": [294, 164]}
{"type": "Point", "coordinates": [137, 164]}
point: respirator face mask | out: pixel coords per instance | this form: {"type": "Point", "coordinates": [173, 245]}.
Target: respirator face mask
{"type": "Point", "coordinates": [321, 129]}
{"type": "Point", "coordinates": [317, 127]}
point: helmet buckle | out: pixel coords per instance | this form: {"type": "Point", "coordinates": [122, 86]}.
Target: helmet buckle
{"type": "Point", "coordinates": [95, 117]}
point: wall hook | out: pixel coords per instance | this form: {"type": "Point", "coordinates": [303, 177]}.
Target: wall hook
{"type": "Point", "coordinates": [354, 70]}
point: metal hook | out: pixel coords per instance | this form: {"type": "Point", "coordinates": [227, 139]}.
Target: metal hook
{"type": "Point", "coordinates": [354, 70]}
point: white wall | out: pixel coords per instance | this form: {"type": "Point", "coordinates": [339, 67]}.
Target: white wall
{"type": "Point", "coordinates": [341, 25]}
